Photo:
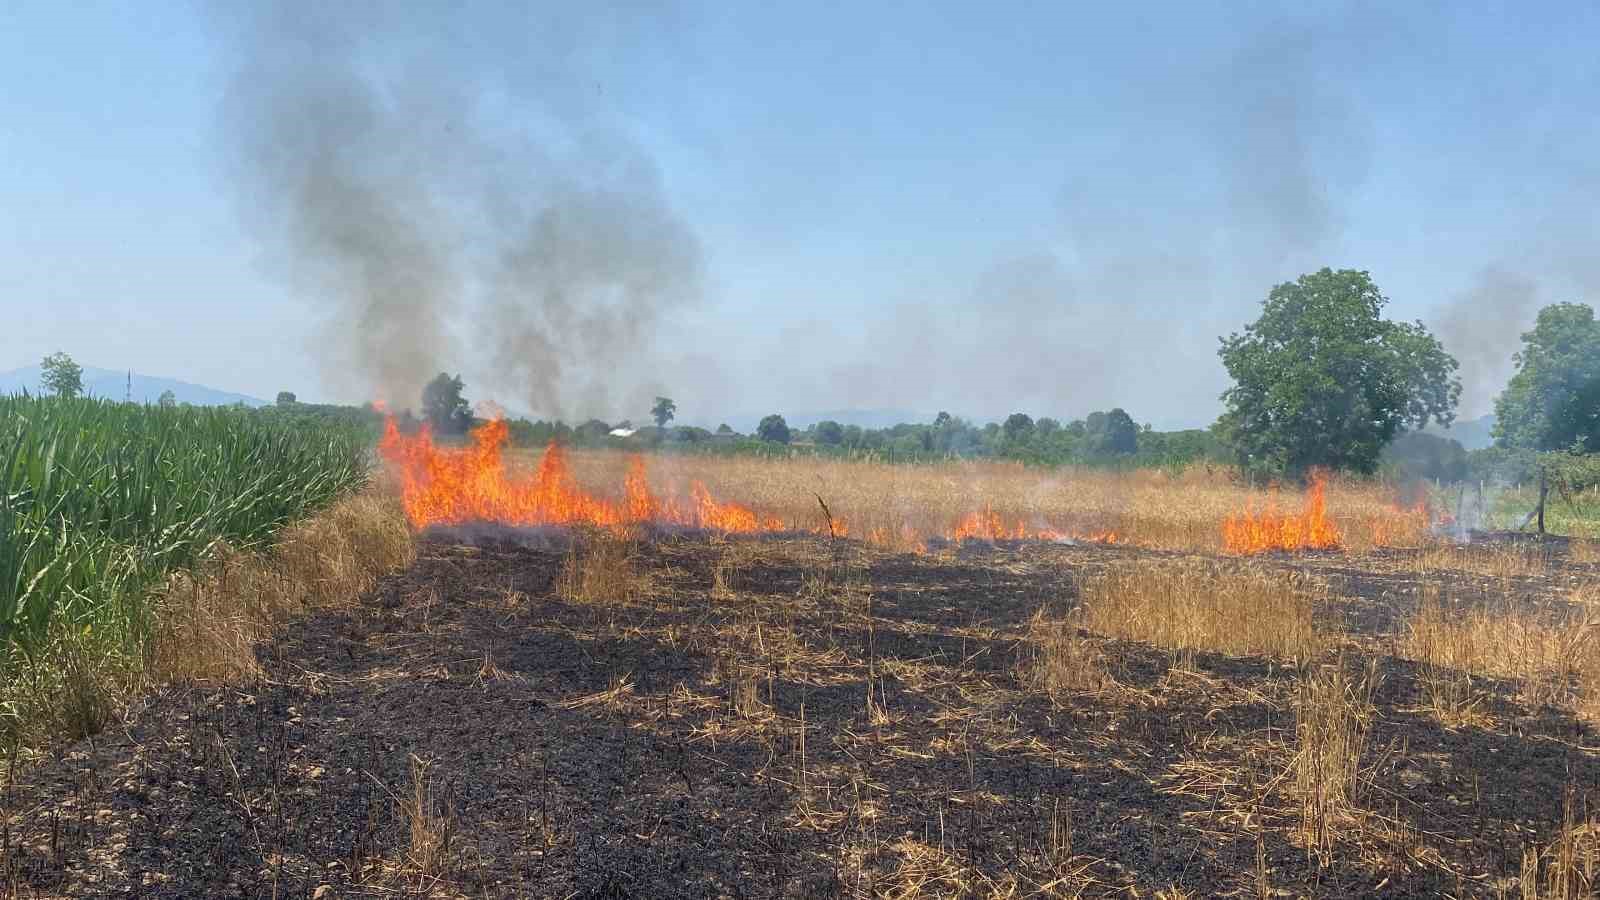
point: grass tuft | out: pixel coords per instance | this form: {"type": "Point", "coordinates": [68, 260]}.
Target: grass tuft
{"type": "Point", "coordinates": [1206, 605]}
{"type": "Point", "coordinates": [601, 570]}
{"type": "Point", "coordinates": [1333, 711]}
{"type": "Point", "coordinates": [1553, 657]}
{"type": "Point", "coordinates": [430, 823]}
{"type": "Point", "coordinates": [1060, 660]}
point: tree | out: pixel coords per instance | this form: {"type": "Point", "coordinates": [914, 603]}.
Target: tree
{"type": "Point", "coordinates": [941, 420]}
{"type": "Point", "coordinates": [773, 429]}
{"type": "Point", "coordinates": [663, 411]}
{"type": "Point", "coordinates": [286, 398]}
{"type": "Point", "coordinates": [1321, 379]}
{"type": "Point", "coordinates": [1019, 426]}
{"type": "Point", "coordinates": [830, 432]}
{"type": "Point", "coordinates": [724, 429]}
{"type": "Point", "coordinates": [167, 400]}
{"type": "Point", "coordinates": [1113, 431]}
{"type": "Point", "coordinates": [60, 375]}
{"type": "Point", "coordinates": [592, 431]}
{"type": "Point", "coordinates": [445, 410]}
{"type": "Point", "coordinates": [1553, 400]}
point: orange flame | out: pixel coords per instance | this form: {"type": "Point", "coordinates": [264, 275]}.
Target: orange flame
{"type": "Point", "coordinates": [988, 525]}
{"type": "Point", "coordinates": [452, 486]}
{"type": "Point", "coordinates": [447, 486]}
{"type": "Point", "coordinates": [1406, 526]}
{"type": "Point", "coordinates": [1311, 529]}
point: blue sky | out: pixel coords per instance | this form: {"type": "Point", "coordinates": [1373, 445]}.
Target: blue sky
{"type": "Point", "coordinates": [924, 206]}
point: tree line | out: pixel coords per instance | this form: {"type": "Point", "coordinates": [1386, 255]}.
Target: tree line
{"type": "Point", "coordinates": [1111, 437]}
{"type": "Point", "coordinates": [1320, 380]}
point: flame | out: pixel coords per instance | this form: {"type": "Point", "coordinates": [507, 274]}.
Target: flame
{"type": "Point", "coordinates": [1311, 529]}
{"type": "Point", "coordinates": [988, 525]}
{"type": "Point", "coordinates": [732, 517]}
{"type": "Point", "coordinates": [1092, 537]}
{"type": "Point", "coordinates": [456, 485]}
{"type": "Point", "coordinates": [450, 486]}
{"type": "Point", "coordinates": [1406, 526]}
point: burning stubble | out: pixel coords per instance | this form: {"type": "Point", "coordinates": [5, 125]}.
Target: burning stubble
{"type": "Point", "coordinates": [373, 157]}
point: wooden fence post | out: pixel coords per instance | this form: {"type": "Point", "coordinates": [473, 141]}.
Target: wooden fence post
{"type": "Point", "coordinates": [1544, 490]}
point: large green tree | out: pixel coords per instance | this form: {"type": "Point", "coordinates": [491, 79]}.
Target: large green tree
{"type": "Point", "coordinates": [60, 375]}
{"type": "Point", "coordinates": [1111, 432]}
{"type": "Point", "coordinates": [446, 411]}
{"type": "Point", "coordinates": [1018, 427]}
{"type": "Point", "coordinates": [663, 411]}
{"type": "Point", "coordinates": [773, 429]}
{"type": "Point", "coordinates": [1553, 400]}
{"type": "Point", "coordinates": [1322, 379]}
{"type": "Point", "coordinates": [830, 433]}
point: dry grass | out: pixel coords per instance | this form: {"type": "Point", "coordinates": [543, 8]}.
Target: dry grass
{"type": "Point", "coordinates": [1205, 605]}
{"type": "Point", "coordinates": [1497, 560]}
{"type": "Point", "coordinates": [924, 871]}
{"type": "Point", "coordinates": [89, 679]}
{"type": "Point", "coordinates": [1060, 660]}
{"type": "Point", "coordinates": [601, 569]}
{"type": "Point", "coordinates": [1553, 657]}
{"type": "Point", "coordinates": [897, 505]}
{"type": "Point", "coordinates": [1585, 551]}
{"type": "Point", "coordinates": [211, 620]}
{"type": "Point", "coordinates": [1568, 868]}
{"type": "Point", "coordinates": [430, 824]}
{"type": "Point", "coordinates": [1333, 710]}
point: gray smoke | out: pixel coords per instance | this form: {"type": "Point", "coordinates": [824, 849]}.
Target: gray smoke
{"type": "Point", "coordinates": [1141, 281]}
{"type": "Point", "coordinates": [376, 160]}
{"type": "Point", "coordinates": [584, 284]}
{"type": "Point", "coordinates": [1553, 260]}
{"type": "Point", "coordinates": [1482, 328]}
{"type": "Point", "coordinates": [1289, 138]}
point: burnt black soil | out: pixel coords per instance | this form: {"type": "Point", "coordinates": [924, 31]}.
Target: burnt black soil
{"type": "Point", "coordinates": [780, 718]}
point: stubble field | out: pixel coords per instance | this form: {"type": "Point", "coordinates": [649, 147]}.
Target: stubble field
{"type": "Point", "coordinates": [654, 712]}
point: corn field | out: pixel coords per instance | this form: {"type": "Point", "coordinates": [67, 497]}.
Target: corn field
{"type": "Point", "coordinates": [99, 501]}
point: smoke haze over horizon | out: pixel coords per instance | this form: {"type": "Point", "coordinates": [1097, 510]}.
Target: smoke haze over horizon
{"type": "Point", "coordinates": [980, 211]}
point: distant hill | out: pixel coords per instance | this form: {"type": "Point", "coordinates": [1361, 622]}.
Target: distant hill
{"type": "Point", "coordinates": [1473, 434]}
{"type": "Point", "coordinates": [113, 385]}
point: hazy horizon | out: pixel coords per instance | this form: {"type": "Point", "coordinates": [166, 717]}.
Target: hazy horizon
{"type": "Point", "coordinates": [980, 210]}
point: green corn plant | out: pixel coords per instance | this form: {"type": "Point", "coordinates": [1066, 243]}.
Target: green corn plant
{"type": "Point", "coordinates": [99, 501]}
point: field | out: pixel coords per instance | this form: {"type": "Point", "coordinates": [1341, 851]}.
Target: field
{"type": "Point", "coordinates": [639, 711]}
{"type": "Point", "coordinates": [900, 506]}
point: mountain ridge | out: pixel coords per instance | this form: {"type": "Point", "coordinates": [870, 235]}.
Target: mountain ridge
{"type": "Point", "coordinates": [116, 385]}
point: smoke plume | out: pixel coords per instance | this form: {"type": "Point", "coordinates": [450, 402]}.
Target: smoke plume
{"type": "Point", "coordinates": [452, 194]}
{"type": "Point", "coordinates": [1160, 248]}
{"type": "Point", "coordinates": [1481, 328]}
